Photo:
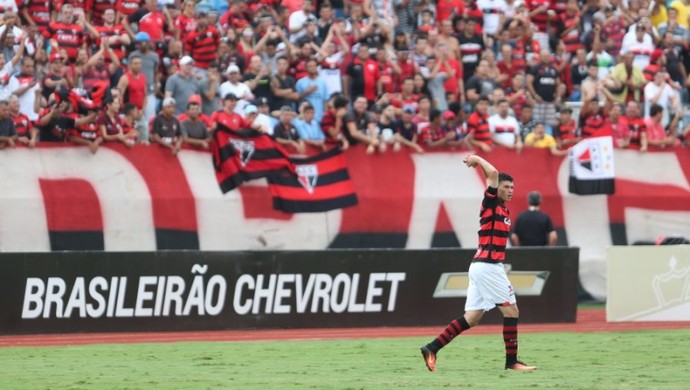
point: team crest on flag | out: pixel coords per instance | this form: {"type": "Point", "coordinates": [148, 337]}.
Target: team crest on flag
{"type": "Point", "coordinates": [245, 148]}
{"type": "Point", "coordinates": [307, 175]}
{"type": "Point", "coordinates": [592, 166]}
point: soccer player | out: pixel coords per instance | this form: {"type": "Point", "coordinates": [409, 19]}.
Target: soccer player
{"type": "Point", "coordinates": [489, 285]}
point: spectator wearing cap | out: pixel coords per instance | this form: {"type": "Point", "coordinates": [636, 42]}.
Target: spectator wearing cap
{"type": "Point", "coordinates": [264, 116]}
{"type": "Point", "coordinates": [150, 64]}
{"type": "Point", "coordinates": [312, 88]}
{"type": "Point", "coordinates": [165, 130]}
{"type": "Point", "coordinates": [194, 128]}
{"type": "Point", "coordinates": [504, 128]}
{"type": "Point", "coordinates": [182, 84]}
{"type": "Point", "coordinates": [251, 114]}
{"type": "Point", "coordinates": [657, 61]}
{"type": "Point", "coordinates": [285, 133]}
{"type": "Point", "coordinates": [228, 120]}
{"type": "Point", "coordinates": [407, 130]}
{"type": "Point", "coordinates": [533, 227]}
{"type": "Point", "coordinates": [432, 135]}
{"type": "Point", "coordinates": [308, 128]}
{"type": "Point", "coordinates": [66, 34]}
{"type": "Point", "coordinates": [202, 43]}
{"type": "Point", "coordinates": [151, 21]}
{"type": "Point", "coordinates": [235, 86]}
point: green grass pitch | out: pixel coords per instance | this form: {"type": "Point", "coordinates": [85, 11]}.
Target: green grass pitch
{"type": "Point", "coordinates": [629, 360]}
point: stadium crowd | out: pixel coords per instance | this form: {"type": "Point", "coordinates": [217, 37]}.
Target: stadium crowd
{"type": "Point", "coordinates": [396, 74]}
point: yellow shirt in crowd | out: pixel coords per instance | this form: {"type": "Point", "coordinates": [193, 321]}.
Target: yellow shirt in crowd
{"type": "Point", "coordinates": [548, 142]}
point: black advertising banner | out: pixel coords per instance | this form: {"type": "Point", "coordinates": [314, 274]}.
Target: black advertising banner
{"type": "Point", "coordinates": [64, 292]}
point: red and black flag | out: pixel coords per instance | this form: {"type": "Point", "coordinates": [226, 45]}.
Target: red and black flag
{"type": "Point", "coordinates": [239, 156]}
{"type": "Point", "coordinates": [321, 183]}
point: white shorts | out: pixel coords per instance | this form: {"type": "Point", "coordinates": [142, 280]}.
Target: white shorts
{"type": "Point", "coordinates": [489, 287]}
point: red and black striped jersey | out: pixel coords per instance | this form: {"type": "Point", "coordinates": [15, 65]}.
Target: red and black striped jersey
{"type": "Point", "coordinates": [591, 123]}
{"type": "Point", "coordinates": [524, 50]}
{"type": "Point", "coordinates": [572, 38]}
{"type": "Point", "coordinates": [85, 5]}
{"type": "Point", "coordinates": [39, 11]}
{"type": "Point", "coordinates": [478, 127]}
{"type": "Point", "coordinates": [127, 7]}
{"type": "Point", "coordinates": [566, 131]}
{"type": "Point", "coordinates": [203, 46]}
{"type": "Point", "coordinates": [494, 228]}
{"type": "Point", "coordinates": [112, 31]}
{"type": "Point", "coordinates": [68, 36]}
{"type": "Point", "coordinates": [541, 20]}
{"type": "Point", "coordinates": [636, 126]}
{"type": "Point", "coordinates": [229, 122]}
{"type": "Point", "coordinates": [22, 124]}
{"type": "Point", "coordinates": [98, 8]}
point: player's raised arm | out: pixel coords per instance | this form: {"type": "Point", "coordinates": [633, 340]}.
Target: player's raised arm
{"type": "Point", "coordinates": [490, 172]}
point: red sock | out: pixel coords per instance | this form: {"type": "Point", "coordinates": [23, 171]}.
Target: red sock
{"type": "Point", "coordinates": [453, 329]}
{"type": "Point", "coordinates": [510, 338]}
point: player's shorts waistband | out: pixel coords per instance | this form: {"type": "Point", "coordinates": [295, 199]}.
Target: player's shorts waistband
{"type": "Point", "coordinates": [489, 261]}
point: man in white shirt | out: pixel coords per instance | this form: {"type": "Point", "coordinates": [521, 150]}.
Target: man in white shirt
{"type": "Point", "coordinates": [505, 129]}
{"type": "Point", "coordinates": [640, 44]}
{"type": "Point", "coordinates": [26, 86]}
{"type": "Point", "coordinates": [237, 88]}
{"type": "Point", "coordinates": [298, 19]}
{"type": "Point", "coordinates": [492, 10]}
{"type": "Point", "coordinates": [660, 92]}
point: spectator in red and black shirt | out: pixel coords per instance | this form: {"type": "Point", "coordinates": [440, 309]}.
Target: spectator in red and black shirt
{"type": "Point", "coordinates": [202, 43]}
{"type": "Point", "coordinates": [636, 124]}
{"type": "Point", "coordinates": [37, 13]}
{"type": "Point", "coordinates": [112, 127]}
{"type": "Point", "coordinates": [228, 120]}
{"type": "Point", "coordinates": [363, 76]}
{"type": "Point", "coordinates": [114, 34]}
{"type": "Point", "coordinates": [565, 131]}
{"type": "Point", "coordinates": [478, 126]}
{"type": "Point", "coordinates": [432, 135]}
{"type": "Point", "coordinates": [27, 133]}
{"type": "Point", "coordinates": [58, 120]}
{"type": "Point", "coordinates": [65, 34]}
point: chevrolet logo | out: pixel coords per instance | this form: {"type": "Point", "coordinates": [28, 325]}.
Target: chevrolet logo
{"type": "Point", "coordinates": [525, 283]}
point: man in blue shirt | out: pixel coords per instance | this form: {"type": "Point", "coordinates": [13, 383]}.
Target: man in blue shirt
{"type": "Point", "coordinates": [312, 88]}
{"type": "Point", "coordinates": [309, 128]}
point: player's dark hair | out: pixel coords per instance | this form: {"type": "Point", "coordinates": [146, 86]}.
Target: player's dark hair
{"type": "Point", "coordinates": [504, 177]}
